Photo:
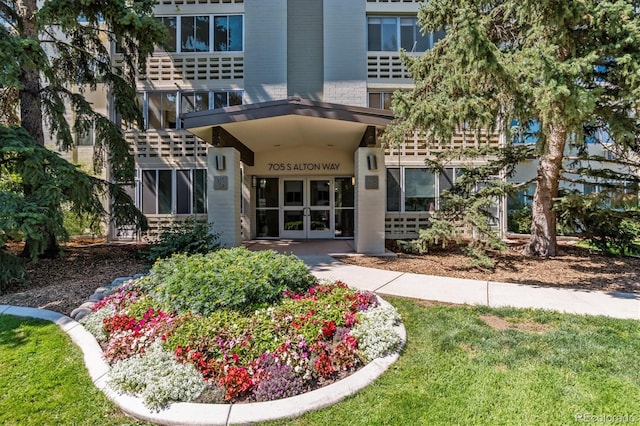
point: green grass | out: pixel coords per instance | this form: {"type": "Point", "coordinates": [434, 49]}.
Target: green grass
{"type": "Point", "coordinates": [43, 380]}
{"type": "Point", "coordinates": [456, 369]}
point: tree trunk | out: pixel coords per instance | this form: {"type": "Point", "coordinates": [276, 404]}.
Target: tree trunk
{"type": "Point", "coordinates": [31, 107]}
{"type": "Point", "coordinates": [543, 222]}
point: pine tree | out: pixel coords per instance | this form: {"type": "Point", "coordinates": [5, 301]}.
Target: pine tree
{"type": "Point", "coordinates": [51, 53]}
{"type": "Point", "coordinates": [568, 71]}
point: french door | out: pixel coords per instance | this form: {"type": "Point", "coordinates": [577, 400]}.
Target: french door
{"type": "Point", "coordinates": [307, 208]}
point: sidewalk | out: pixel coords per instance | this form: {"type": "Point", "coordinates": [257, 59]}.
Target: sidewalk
{"type": "Point", "coordinates": [473, 292]}
{"type": "Point", "coordinates": [317, 254]}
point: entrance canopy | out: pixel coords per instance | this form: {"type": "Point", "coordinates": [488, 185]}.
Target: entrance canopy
{"type": "Point", "coordinates": [287, 123]}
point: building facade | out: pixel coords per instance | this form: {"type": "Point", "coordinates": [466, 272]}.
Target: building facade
{"type": "Point", "coordinates": [263, 118]}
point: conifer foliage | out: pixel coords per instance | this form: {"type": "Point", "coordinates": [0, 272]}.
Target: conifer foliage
{"type": "Point", "coordinates": [52, 53]}
{"type": "Point", "coordinates": [566, 72]}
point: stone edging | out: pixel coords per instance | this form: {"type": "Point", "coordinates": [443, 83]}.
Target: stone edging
{"type": "Point", "coordinates": [184, 413]}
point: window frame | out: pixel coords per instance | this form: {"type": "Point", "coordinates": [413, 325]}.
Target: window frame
{"type": "Point", "coordinates": [177, 47]}
{"type": "Point", "coordinates": [402, 186]}
{"type": "Point", "coordinates": [429, 39]}
{"type": "Point", "coordinates": [176, 192]}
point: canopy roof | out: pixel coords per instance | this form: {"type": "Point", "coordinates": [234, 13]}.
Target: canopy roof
{"type": "Point", "coordinates": [288, 123]}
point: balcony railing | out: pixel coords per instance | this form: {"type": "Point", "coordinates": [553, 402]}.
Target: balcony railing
{"type": "Point", "coordinates": [169, 68]}
{"type": "Point", "coordinates": [165, 144]}
{"type": "Point", "coordinates": [417, 144]}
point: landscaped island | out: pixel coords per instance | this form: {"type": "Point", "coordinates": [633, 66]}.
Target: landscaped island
{"type": "Point", "coordinates": [237, 326]}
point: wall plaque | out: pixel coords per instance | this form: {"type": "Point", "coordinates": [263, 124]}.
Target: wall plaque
{"type": "Point", "coordinates": [221, 183]}
{"type": "Point", "coordinates": [371, 182]}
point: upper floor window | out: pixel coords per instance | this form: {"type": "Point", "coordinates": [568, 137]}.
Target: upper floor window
{"type": "Point", "coordinates": [194, 34]}
{"type": "Point", "coordinates": [203, 33]}
{"type": "Point", "coordinates": [171, 24]}
{"type": "Point", "coordinates": [227, 33]}
{"type": "Point", "coordinates": [392, 33]}
{"type": "Point", "coordinates": [162, 109]}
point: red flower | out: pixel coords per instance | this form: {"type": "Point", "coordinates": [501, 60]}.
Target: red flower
{"type": "Point", "coordinates": [328, 328]}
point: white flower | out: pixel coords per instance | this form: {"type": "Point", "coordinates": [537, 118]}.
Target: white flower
{"type": "Point", "coordinates": [157, 377]}
{"type": "Point", "coordinates": [376, 332]}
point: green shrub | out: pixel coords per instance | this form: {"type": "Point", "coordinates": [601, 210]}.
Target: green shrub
{"type": "Point", "coordinates": [230, 278]}
{"type": "Point", "coordinates": [189, 237]}
{"type": "Point", "coordinates": [612, 231]}
{"type": "Point", "coordinates": [519, 220]}
{"type": "Point", "coordinates": [80, 223]}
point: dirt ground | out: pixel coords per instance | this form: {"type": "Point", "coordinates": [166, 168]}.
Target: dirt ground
{"type": "Point", "coordinates": [575, 267]}
{"type": "Point", "coordinates": [63, 284]}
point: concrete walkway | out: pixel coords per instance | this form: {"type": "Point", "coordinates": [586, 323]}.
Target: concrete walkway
{"type": "Point", "coordinates": [318, 256]}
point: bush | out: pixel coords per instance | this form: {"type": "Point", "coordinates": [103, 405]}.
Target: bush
{"type": "Point", "coordinates": [190, 237]}
{"type": "Point", "coordinates": [230, 278]}
{"type": "Point", "coordinates": [519, 220]}
{"type": "Point", "coordinates": [610, 230]}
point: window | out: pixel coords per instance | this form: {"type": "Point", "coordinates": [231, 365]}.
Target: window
{"type": "Point", "coordinates": [195, 101]}
{"type": "Point", "coordinates": [194, 34]}
{"type": "Point", "coordinates": [182, 191]}
{"type": "Point", "coordinates": [392, 33]}
{"type": "Point", "coordinates": [419, 190]}
{"type": "Point", "coordinates": [171, 24]}
{"type": "Point", "coordinates": [203, 33]}
{"type": "Point", "coordinates": [161, 112]}
{"type": "Point", "coordinates": [225, 99]}
{"type": "Point", "coordinates": [413, 189]}
{"type": "Point", "coordinates": [227, 36]}
{"type": "Point", "coordinates": [85, 137]}
{"type": "Point", "coordinates": [394, 190]}
{"type": "Point", "coordinates": [162, 109]}
{"type": "Point", "coordinates": [380, 100]}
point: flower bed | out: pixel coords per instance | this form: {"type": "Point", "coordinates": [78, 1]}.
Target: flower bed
{"type": "Point", "coordinates": [298, 341]}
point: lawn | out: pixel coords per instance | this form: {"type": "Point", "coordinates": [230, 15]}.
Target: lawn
{"type": "Point", "coordinates": [43, 380]}
{"type": "Point", "coordinates": [461, 365]}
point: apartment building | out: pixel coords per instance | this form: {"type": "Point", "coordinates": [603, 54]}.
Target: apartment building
{"type": "Point", "coordinates": [263, 117]}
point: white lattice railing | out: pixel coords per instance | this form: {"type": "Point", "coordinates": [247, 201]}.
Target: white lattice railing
{"type": "Point", "coordinates": [194, 67]}
{"type": "Point", "coordinates": [181, 67]}
{"type": "Point", "coordinates": [384, 66]}
{"type": "Point", "coordinates": [417, 144]}
{"type": "Point", "coordinates": [404, 225]}
{"type": "Point", "coordinates": [165, 144]}
{"type": "Point", "coordinates": [159, 223]}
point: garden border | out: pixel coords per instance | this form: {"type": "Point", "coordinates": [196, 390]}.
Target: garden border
{"type": "Point", "coordinates": [184, 413]}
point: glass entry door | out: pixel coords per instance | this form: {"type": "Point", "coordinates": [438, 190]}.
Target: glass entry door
{"type": "Point", "coordinates": [306, 210]}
